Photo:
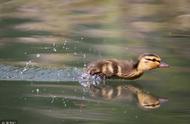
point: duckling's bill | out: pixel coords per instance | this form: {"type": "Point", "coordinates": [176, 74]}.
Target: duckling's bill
{"type": "Point", "coordinates": [163, 65]}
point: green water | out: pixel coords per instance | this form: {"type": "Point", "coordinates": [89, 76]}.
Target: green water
{"type": "Point", "coordinates": [44, 45]}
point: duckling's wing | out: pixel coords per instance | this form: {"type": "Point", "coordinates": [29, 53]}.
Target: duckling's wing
{"type": "Point", "coordinates": [94, 67]}
{"type": "Point", "coordinates": [105, 67]}
{"type": "Point", "coordinates": [125, 67]}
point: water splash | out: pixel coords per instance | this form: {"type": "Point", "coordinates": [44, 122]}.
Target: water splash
{"type": "Point", "coordinates": [32, 73]}
{"type": "Point", "coordinates": [86, 80]}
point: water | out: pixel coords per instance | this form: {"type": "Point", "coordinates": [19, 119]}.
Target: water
{"type": "Point", "coordinates": [45, 47]}
{"type": "Point", "coordinates": [15, 73]}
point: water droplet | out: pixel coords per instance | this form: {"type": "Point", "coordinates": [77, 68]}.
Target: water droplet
{"type": "Point", "coordinates": [54, 49]}
{"type": "Point", "coordinates": [24, 69]}
{"type": "Point", "coordinates": [65, 42]}
{"type": "Point", "coordinates": [46, 48]}
{"type": "Point", "coordinates": [28, 63]}
{"type": "Point", "coordinates": [37, 90]}
{"type": "Point", "coordinates": [75, 90]}
{"type": "Point", "coordinates": [84, 65]}
{"type": "Point", "coordinates": [37, 55]}
{"type": "Point", "coordinates": [83, 97]}
{"type": "Point", "coordinates": [54, 44]}
{"type": "Point", "coordinates": [84, 55]}
{"type": "Point", "coordinates": [75, 53]}
{"type": "Point", "coordinates": [65, 105]}
{"type": "Point", "coordinates": [53, 99]}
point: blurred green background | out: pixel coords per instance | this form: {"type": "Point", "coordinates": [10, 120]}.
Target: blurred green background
{"type": "Point", "coordinates": [70, 34]}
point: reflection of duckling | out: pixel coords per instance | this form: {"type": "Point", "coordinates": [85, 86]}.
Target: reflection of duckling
{"type": "Point", "coordinates": [108, 92]}
{"type": "Point", "coordinates": [126, 69]}
{"type": "Point", "coordinates": [145, 100]}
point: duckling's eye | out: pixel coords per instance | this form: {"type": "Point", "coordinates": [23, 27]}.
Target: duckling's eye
{"type": "Point", "coordinates": [148, 59]}
{"type": "Point", "coordinates": [154, 60]}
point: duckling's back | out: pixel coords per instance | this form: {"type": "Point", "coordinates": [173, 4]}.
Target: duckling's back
{"type": "Point", "coordinates": [111, 67]}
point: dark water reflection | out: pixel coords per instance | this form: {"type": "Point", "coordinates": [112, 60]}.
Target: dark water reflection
{"type": "Point", "coordinates": [44, 45]}
{"type": "Point", "coordinates": [66, 102]}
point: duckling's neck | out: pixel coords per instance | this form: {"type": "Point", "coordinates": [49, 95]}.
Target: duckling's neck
{"type": "Point", "coordinates": [134, 72]}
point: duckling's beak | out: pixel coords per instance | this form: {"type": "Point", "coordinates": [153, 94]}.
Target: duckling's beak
{"type": "Point", "coordinates": [163, 100]}
{"type": "Point", "coordinates": [163, 65]}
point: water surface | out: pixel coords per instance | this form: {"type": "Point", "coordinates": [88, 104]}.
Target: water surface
{"type": "Point", "coordinates": [45, 46]}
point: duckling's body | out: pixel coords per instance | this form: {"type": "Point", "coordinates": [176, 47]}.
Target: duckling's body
{"type": "Point", "coordinates": [126, 69]}
{"type": "Point", "coordinates": [115, 68]}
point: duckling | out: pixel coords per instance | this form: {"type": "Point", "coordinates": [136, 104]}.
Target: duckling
{"type": "Point", "coordinates": [126, 69]}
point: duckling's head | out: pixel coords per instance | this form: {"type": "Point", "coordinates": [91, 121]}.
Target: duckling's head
{"type": "Point", "coordinates": [148, 101]}
{"type": "Point", "coordinates": [150, 61]}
